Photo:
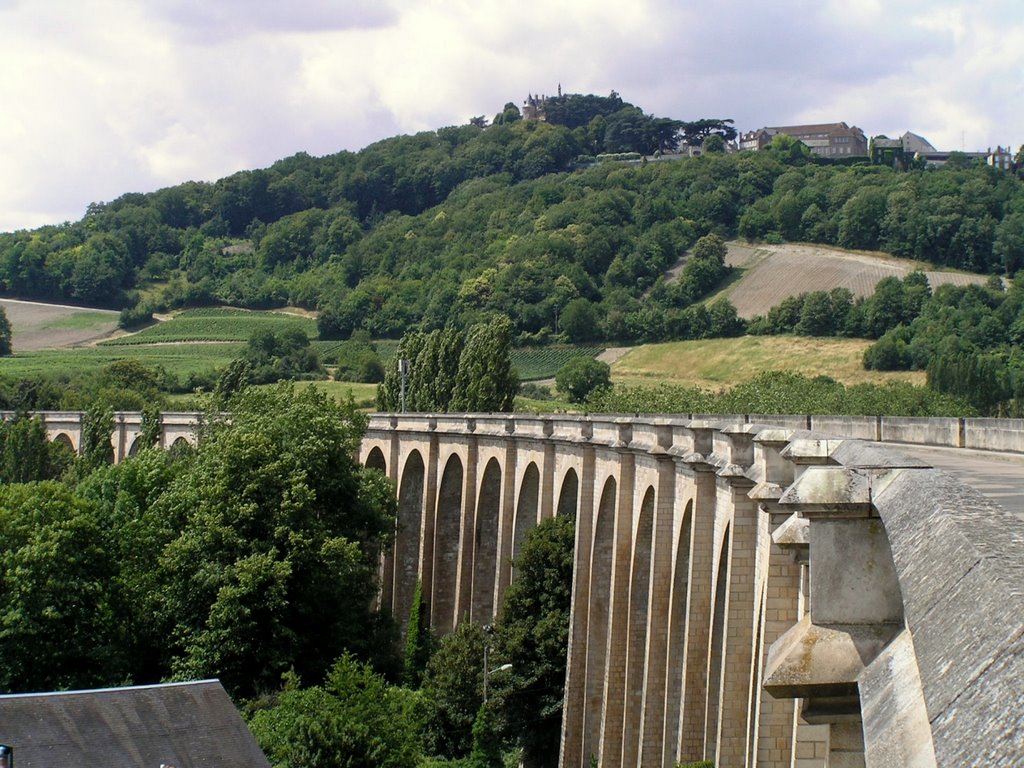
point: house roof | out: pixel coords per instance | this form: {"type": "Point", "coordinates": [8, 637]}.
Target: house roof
{"type": "Point", "coordinates": [184, 725]}
{"type": "Point", "coordinates": [817, 128]}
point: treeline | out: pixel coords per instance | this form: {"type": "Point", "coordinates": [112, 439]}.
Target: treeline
{"type": "Point", "coordinates": [776, 392]}
{"type": "Point", "coordinates": [453, 225]}
{"type": "Point", "coordinates": [965, 215]}
{"type": "Point", "coordinates": [967, 338]}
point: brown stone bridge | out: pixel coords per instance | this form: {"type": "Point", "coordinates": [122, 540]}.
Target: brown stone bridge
{"type": "Point", "coordinates": [755, 595]}
{"type": "Point", "coordinates": [756, 591]}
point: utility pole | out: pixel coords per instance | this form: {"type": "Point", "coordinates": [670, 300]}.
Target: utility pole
{"type": "Point", "coordinates": [403, 372]}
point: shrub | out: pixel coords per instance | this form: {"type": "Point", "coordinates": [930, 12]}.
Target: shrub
{"type": "Point", "coordinates": [581, 376]}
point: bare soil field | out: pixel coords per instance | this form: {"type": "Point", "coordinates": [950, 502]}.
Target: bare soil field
{"type": "Point", "coordinates": [772, 273]}
{"type": "Point", "coordinates": [37, 326]}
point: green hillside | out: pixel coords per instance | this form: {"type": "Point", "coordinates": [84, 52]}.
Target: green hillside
{"type": "Point", "coordinates": [515, 217]}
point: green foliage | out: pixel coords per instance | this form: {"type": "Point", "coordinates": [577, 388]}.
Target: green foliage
{"type": "Point", "coordinates": [355, 720]}
{"type": "Point", "coordinates": [449, 370]}
{"type": "Point", "coordinates": [96, 448]}
{"type": "Point", "coordinates": [6, 348]}
{"type": "Point", "coordinates": [273, 564]}
{"type": "Point", "coordinates": [966, 337]}
{"type": "Point", "coordinates": [486, 742]}
{"type": "Point", "coordinates": [356, 360]}
{"type": "Point", "coordinates": [418, 641]}
{"type": "Point", "coordinates": [531, 632]}
{"type": "Point", "coordinates": [486, 381]}
{"type": "Point", "coordinates": [454, 224]}
{"type": "Point", "coordinates": [273, 357]}
{"type": "Point", "coordinates": [581, 376]}
{"type": "Point", "coordinates": [27, 455]}
{"type": "Point", "coordinates": [783, 393]}
{"type": "Point", "coordinates": [59, 626]}
{"type": "Point", "coordinates": [453, 691]}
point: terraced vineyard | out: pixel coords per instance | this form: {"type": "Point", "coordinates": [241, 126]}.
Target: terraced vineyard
{"type": "Point", "coordinates": [215, 324]}
{"type": "Point", "coordinates": [180, 360]}
{"type": "Point", "coordinates": [534, 363]}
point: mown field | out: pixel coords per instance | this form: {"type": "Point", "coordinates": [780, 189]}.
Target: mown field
{"type": "Point", "coordinates": [37, 326]}
{"type": "Point", "coordinates": [773, 273]}
{"type": "Point", "coordinates": [716, 363]}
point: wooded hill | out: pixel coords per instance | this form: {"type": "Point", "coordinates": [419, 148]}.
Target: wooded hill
{"type": "Point", "coordinates": [514, 217]}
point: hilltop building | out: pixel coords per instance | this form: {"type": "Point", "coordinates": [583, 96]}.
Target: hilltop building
{"type": "Point", "coordinates": [826, 139]}
{"type": "Point", "coordinates": [913, 148]}
{"type": "Point", "coordinates": [533, 106]}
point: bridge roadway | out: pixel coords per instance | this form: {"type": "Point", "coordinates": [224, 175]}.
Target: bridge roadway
{"type": "Point", "coordinates": [998, 475]}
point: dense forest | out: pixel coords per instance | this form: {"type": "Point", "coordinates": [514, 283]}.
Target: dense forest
{"type": "Point", "coordinates": [512, 216]}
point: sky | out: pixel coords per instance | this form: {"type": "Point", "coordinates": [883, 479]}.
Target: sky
{"type": "Point", "coordinates": [103, 97]}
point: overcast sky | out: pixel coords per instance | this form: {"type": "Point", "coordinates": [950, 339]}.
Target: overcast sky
{"type": "Point", "coordinates": [102, 97]}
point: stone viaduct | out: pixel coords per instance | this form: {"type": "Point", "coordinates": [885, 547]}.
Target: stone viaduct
{"type": "Point", "coordinates": [751, 590]}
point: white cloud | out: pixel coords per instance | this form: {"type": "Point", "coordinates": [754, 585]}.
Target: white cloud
{"type": "Point", "coordinates": [104, 97]}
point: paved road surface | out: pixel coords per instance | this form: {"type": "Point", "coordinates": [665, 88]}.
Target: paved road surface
{"type": "Point", "coordinates": [1000, 476]}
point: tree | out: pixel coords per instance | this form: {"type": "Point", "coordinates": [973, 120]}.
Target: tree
{"type": "Point", "coordinates": [860, 219]}
{"type": "Point", "coordinates": [97, 427]}
{"type": "Point", "coordinates": [1008, 248]}
{"type": "Point", "coordinates": [24, 451]}
{"type": "Point", "coordinates": [579, 321]}
{"type": "Point", "coordinates": [453, 691]}
{"type": "Point", "coordinates": [816, 316]}
{"type": "Point", "coordinates": [581, 376]}
{"type": "Point", "coordinates": [58, 624]}
{"type": "Point", "coordinates": [695, 132]}
{"type": "Point", "coordinates": [713, 144]}
{"type": "Point", "coordinates": [532, 633]}
{"type": "Point", "coordinates": [486, 380]}
{"type": "Point", "coordinates": [273, 559]}
{"type": "Point", "coordinates": [710, 248]}
{"type": "Point", "coordinates": [5, 335]}
{"type": "Point", "coordinates": [486, 743]}
{"type": "Point", "coordinates": [355, 720]}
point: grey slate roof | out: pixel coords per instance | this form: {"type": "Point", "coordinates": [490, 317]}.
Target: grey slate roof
{"type": "Point", "coordinates": [184, 725]}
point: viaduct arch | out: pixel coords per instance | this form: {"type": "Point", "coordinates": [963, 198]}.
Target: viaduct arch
{"type": "Point", "coordinates": [752, 594]}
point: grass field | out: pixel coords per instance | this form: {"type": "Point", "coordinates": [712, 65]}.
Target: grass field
{"type": "Point", "coordinates": [716, 363]}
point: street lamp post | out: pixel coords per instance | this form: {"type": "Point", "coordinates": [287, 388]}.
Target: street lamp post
{"type": "Point", "coordinates": [488, 631]}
